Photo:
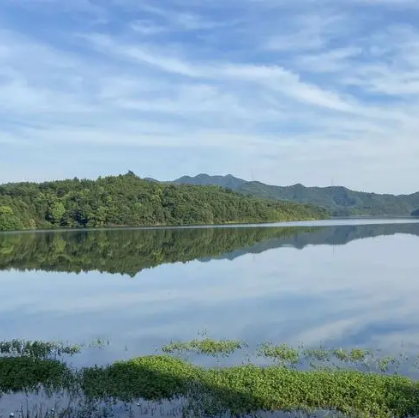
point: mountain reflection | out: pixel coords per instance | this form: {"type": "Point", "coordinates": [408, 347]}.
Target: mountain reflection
{"type": "Point", "coordinates": [131, 251]}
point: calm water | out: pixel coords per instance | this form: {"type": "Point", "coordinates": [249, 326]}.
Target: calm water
{"type": "Point", "coordinates": [339, 283]}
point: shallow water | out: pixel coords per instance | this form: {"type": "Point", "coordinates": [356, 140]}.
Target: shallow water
{"type": "Point", "coordinates": [335, 283]}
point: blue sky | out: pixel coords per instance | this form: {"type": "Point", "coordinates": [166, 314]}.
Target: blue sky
{"type": "Point", "coordinates": [308, 91]}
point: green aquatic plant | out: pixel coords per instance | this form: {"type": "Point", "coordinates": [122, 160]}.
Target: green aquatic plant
{"type": "Point", "coordinates": [149, 377]}
{"type": "Point", "coordinates": [320, 354]}
{"type": "Point", "coordinates": [99, 342]}
{"type": "Point", "coordinates": [359, 354]}
{"type": "Point", "coordinates": [354, 355]}
{"type": "Point", "coordinates": [282, 353]}
{"type": "Point", "coordinates": [250, 388]}
{"type": "Point", "coordinates": [240, 390]}
{"type": "Point", "coordinates": [206, 346]}
{"type": "Point", "coordinates": [385, 362]}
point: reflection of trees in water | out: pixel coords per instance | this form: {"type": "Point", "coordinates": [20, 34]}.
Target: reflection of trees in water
{"type": "Point", "coordinates": [130, 251]}
{"type": "Point", "coordinates": [126, 251]}
{"type": "Point", "coordinates": [333, 236]}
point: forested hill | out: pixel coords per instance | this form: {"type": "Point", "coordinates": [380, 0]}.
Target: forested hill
{"type": "Point", "coordinates": [127, 200]}
{"type": "Point", "coordinates": [340, 201]}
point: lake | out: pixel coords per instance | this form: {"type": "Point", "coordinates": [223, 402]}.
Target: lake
{"type": "Point", "coordinates": [339, 283]}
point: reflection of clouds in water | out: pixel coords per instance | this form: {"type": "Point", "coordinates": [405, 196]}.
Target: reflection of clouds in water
{"type": "Point", "coordinates": [363, 293]}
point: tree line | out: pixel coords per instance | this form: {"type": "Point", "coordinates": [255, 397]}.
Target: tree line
{"type": "Point", "coordinates": [127, 200]}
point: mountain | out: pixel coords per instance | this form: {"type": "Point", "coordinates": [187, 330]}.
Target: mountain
{"type": "Point", "coordinates": [340, 201]}
{"type": "Point", "coordinates": [127, 200]}
{"type": "Point", "coordinates": [228, 181]}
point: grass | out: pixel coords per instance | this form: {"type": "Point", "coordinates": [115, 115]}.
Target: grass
{"type": "Point", "coordinates": [238, 390]}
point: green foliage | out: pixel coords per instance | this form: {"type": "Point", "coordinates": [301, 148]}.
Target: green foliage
{"type": "Point", "coordinates": [128, 200]}
{"type": "Point", "coordinates": [8, 220]}
{"type": "Point", "coordinates": [55, 213]}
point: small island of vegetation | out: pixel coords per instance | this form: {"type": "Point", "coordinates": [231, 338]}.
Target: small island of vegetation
{"type": "Point", "coordinates": [127, 200]}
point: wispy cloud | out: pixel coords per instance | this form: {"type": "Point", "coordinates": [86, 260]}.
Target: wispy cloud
{"type": "Point", "coordinates": [300, 92]}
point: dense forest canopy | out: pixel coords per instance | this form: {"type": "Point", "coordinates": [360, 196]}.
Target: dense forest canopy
{"type": "Point", "coordinates": [127, 200]}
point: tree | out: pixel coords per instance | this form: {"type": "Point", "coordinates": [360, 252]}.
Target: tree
{"type": "Point", "coordinates": [55, 213]}
{"type": "Point", "coordinates": [8, 220]}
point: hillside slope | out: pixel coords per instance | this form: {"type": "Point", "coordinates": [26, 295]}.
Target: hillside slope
{"type": "Point", "coordinates": [339, 200]}
{"type": "Point", "coordinates": [127, 200]}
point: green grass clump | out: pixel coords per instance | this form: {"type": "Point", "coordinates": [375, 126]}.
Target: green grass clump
{"type": "Point", "coordinates": [282, 353]}
{"type": "Point", "coordinates": [205, 346]}
{"type": "Point", "coordinates": [354, 355]}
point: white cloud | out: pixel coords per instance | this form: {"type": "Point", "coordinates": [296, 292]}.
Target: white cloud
{"type": "Point", "coordinates": [330, 61]}
{"type": "Point", "coordinates": [179, 20]}
{"type": "Point", "coordinates": [48, 6]}
{"type": "Point", "coordinates": [273, 77]}
{"type": "Point", "coordinates": [318, 93]}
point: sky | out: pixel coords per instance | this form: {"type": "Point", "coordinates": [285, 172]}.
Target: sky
{"type": "Point", "coordinates": [317, 92]}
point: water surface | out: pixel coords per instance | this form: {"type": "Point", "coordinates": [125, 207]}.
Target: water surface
{"type": "Point", "coordinates": [312, 283]}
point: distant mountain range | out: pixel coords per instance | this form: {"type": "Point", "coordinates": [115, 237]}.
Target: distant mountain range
{"type": "Point", "coordinates": [341, 201]}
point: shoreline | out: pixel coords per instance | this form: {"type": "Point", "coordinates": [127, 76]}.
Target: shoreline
{"type": "Point", "coordinates": [333, 221]}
